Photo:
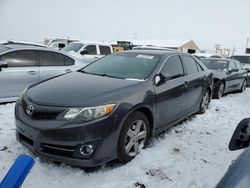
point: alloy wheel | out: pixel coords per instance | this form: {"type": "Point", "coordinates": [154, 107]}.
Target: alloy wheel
{"type": "Point", "coordinates": [205, 102]}
{"type": "Point", "coordinates": [221, 90]}
{"type": "Point", "coordinates": [244, 86]}
{"type": "Point", "coordinates": [135, 138]}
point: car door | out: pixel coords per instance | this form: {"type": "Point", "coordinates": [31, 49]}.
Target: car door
{"type": "Point", "coordinates": [52, 64]}
{"type": "Point", "coordinates": [232, 76]}
{"type": "Point", "coordinates": [242, 74]}
{"type": "Point", "coordinates": [171, 95]}
{"type": "Point", "coordinates": [194, 79]}
{"type": "Point", "coordinates": [92, 51]}
{"type": "Point", "coordinates": [22, 71]}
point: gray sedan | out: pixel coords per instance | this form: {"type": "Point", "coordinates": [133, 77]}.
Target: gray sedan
{"type": "Point", "coordinates": [22, 65]}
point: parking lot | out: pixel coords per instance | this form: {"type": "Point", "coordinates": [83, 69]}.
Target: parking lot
{"type": "Point", "coordinates": [192, 154]}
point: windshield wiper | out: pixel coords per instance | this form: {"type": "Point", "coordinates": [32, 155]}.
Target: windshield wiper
{"type": "Point", "coordinates": [110, 76]}
{"type": "Point", "coordinates": [100, 74]}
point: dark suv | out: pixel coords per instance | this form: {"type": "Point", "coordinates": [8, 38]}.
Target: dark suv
{"type": "Point", "coordinates": [110, 109]}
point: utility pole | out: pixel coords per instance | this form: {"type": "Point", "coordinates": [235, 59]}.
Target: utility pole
{"type": "Point", "coordinates": [217, 47]}
{"type": "Point", "coordinates": [247, 45]}
{"type": "Point", "coordinates": [233, 50]}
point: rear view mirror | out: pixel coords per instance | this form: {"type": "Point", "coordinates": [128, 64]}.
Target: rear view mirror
{"type": "Point", "coordinates": [241, 136]}
{"type": "Point", "coordinates": [84, 51]}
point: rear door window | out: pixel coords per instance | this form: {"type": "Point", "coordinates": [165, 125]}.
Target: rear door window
{"type": "Point", "coordinates": [20, 58]}
{"type": "Point", "coordinates": [189, 64]}
{"type": "Point", "coordinates": [173, 67]}
{"type": "Point", "coordinates": [68, 61]}
{"type": "Point", "coordinates": [51, 59]}
{"type": "Point", "coordinates": [105, 50]}
{"type": "Point", "coordinates": [55, 59]}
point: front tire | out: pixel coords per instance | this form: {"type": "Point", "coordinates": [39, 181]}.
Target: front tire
{"type": "Point", "coordinates": [204, 102]}
{"type": "Point", "coordinates": [133, 136]}
{"type": "Point", "coordinates": [219, 90]}
{"type": "Point", "coordinates": [243, 86]}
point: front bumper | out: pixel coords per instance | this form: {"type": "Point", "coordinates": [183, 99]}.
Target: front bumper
{"type": "Point", "coordinates": [61, 141]}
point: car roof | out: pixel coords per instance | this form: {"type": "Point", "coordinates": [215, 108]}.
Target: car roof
{"type": "Point", "coordinates": [218, 59]}
{"type": "Point", "coordinates": [12, 47]}
{"type": "Point", "coordinates": [246, 55]}
{"type": "Point", "coordinates": [91, 42]}
{"type": "Point", "coordinates": [21, 43]}
{"type": "Point", "coordinates": [152, 51]}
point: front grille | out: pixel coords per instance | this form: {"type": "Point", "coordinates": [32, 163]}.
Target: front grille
{"type": "Point", "coordinates": [66, 151]}
{"type": "Point", "coordinates": [44, 115]}
{"type": "Point", "coordinates": [39, 114]}
{"type": "Point", "coordinates": [25, 139]}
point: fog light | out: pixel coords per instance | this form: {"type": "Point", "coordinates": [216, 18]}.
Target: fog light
{"type": "Point", "coordinates": [86, 150]}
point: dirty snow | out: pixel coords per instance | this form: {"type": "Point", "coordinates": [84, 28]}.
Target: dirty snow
{"type": "Point", "coordinates": [192, 154]}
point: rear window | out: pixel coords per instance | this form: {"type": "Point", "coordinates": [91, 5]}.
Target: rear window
{"type": "Point", "coordinates": [242, 59]}
{"type": "Point", "coordinates": [105, 50]}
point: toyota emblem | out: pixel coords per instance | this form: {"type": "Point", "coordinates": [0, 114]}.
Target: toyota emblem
{"type": "Point", "coordinates": [30, 109]}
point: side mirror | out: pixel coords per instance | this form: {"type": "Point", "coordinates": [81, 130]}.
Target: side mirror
{"type": "Point", "coordinates": [61, 45]}
{"type": "Point", "coordinates": [84, 51]}
{"type": "Point", "coordinates": [3, 64]}
{"type": "Point", "coordinates": [241, 136]}
{"type": "Point", "coordinates": [160, 79]}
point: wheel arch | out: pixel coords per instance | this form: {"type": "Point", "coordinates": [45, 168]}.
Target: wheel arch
{"type": "Point", "coordinates": [149, 115]}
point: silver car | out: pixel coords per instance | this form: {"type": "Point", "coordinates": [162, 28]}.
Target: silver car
{"type": "Point", "coordinates": [22, 65]}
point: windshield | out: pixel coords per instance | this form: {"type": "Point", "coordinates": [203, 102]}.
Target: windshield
{"type": "Point", "coordinates": [75, 47]}
{"type": "Point", "coordinates": [242, 59]}
{"type": "Point", "coordinates": [215, 64]}
{"type": "Point", "coordinates": [124, 65]}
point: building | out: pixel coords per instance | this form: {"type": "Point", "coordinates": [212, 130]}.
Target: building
{"type": "Point", "coordinates": [188, 46]}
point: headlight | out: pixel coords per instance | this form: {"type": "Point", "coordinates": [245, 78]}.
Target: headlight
{"type": "Point", "coordinates": [80, 115]}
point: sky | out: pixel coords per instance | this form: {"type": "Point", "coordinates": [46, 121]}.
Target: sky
{"type": "Point", "coordinates": [207, 22]}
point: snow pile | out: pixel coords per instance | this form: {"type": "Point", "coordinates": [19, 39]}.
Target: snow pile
{"type": "Point", "coordinates": [192, 154]}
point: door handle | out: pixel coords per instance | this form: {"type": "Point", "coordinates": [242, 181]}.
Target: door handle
{"type": "Point", "coordinates": [96, 57]}
{"type": "Point", "coordinates": [32, 72]}
{"type": "Point", "coordinates": [68, 70]}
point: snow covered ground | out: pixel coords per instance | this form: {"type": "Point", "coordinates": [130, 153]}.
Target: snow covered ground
{"type": "Point", "coordinates": [193, 154]}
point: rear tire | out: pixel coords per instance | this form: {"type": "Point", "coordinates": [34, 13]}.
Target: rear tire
{"type": "Point", "coordinates": [204, 102]}
{"type": "Point", "coordinates": [219, 90]}
{"type": "Point", "coordinates": [243, 86]}
{"type": "Point", "coordinates": [133, 136]}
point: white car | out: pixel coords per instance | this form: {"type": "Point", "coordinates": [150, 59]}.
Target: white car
{"type": "Point", "coordinates": [88, 50]}
{"type": "Point", "coordinates": [22, 65]}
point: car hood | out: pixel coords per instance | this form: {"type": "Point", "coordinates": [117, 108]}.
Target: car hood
{"type": "Point", "coordinates": [219, 74]}
{"type": "Point", "coordinates": [80, 89]}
